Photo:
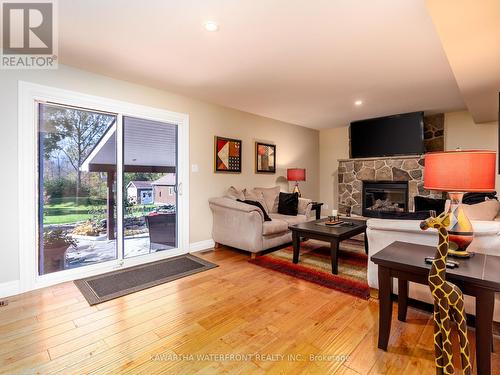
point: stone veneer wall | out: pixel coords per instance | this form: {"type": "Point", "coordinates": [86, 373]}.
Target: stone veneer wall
{"type": "Point", "coordinates": [352, 173]}
{"type": "Point", "coordinates": [434, 132]}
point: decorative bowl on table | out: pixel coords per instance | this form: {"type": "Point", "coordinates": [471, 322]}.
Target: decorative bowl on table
{"type": "Point", "coordinates": [332, 221]}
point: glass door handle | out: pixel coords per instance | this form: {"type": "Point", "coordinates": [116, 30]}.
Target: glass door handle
{"type": "Point", "coordinates": [178, 188]}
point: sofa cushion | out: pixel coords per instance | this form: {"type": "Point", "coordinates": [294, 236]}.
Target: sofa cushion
{"type": "Point", "coordinates": [487, 210]}
{"type": "Point", "coordinates": [305, 206]}
{"type": "Point", "coordinates": [270, 196]}
{"type": "Point", "coordinates": [274, 227]}
{"type": "Point", "coordinates": [486, 228]}
{"type": "Point", "coordinates": [255, 196]}
{"type": "Point", "coordinates": [291, 220]}
{"type": "Point", "coordinates": [257, 204]}
{"type": "Point", "coordinates": [288, 204]}
{"type": "Point", "coordinates": [235, 194]}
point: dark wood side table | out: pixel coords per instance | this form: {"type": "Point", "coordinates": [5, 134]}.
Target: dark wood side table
{"type": "Point", "coordinates": [316, 206]}
{"type": "Point", "coordinates": [333, 235]}
{"type": "Point", "coordinates": [477, 276]}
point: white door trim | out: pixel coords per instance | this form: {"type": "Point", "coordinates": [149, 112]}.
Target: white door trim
{"type": "Point", "coordinates": [202, 245]}
{"type": "Point", "coordinates": [28, 95]}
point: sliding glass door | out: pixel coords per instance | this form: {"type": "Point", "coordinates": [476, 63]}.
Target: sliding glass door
{"type": "Point", "coordinates": [76, 204]}
{"type": "Point", "coordinates": [150, 186]}
{"type": "Point", "coordinates": [93, 209]}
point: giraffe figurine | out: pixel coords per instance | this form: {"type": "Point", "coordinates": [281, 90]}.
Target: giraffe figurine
{"type": "Point", "coordinates": [448, 304]}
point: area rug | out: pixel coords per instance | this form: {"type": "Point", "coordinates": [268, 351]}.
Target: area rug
{"type": "Point", "coordinates": [101, 288]}
{"type": "Point", "coordinates": [315, 265]}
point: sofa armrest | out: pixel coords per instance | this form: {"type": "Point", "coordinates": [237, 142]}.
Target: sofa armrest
{"type": "Point", "coordinates": [237, 224]}
{"type": "Point", "coordinates": [305, 207]}
{"type": "Point", "coordinates": [231, 204]}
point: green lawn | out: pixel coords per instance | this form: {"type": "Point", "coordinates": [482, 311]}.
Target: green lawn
{"type": "Point", "coordinates": [65, 218]}
{"type": "Point", "coordinates": [68, 210]}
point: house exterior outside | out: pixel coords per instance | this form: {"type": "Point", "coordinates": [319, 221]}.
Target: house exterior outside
{"type": "Point", "coordinates": [159, 192]}
{"type": "Point", "coordinates": [164, 190]}
{"type": "Point", "coordinates": [140, 192]}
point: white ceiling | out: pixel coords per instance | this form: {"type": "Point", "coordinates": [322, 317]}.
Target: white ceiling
{"type": "Point", "coordinates": [300, 61]}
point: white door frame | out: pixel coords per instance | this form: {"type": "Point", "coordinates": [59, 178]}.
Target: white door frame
{"type": "Point", "coordinates": [29, 95]}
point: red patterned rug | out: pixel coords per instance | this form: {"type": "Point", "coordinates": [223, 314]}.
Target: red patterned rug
{"type": "Point", "coordinates": [315, 265]}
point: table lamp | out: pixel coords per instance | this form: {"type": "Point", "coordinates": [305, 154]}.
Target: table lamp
{"type": "Point", "coordinates": [458, 172]}
{"type": "Point", "coordinates": [296, 174]}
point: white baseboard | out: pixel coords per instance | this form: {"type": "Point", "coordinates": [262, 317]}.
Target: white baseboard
{"type": "Point", "coordinates": [201, 245]}
{"type": "Point", "coordinates": [9, 288]}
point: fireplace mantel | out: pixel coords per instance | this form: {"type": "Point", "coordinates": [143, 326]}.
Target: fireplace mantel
{"type": "Point", "coordinates": [399, 157]}
{"type": "Point", "coordinates": [352, 173]}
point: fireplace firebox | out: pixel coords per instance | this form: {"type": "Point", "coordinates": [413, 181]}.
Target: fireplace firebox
{"type": "Point", "coordinates": [381, 197]}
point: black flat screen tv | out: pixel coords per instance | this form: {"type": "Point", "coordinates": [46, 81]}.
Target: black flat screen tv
{"type": "Point", "coordinates": [388, 136]}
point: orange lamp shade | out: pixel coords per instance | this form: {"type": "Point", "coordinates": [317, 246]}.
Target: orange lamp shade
{"type": "Point", "coordinates": [460, 171]}
{"type": "Point", "coordinates": [296, 174]}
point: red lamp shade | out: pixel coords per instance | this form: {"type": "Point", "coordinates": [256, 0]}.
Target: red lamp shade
{"type": "Point", "coordinates": [296, 174]}
{"type": "Point", "coordinates": [460, 171]}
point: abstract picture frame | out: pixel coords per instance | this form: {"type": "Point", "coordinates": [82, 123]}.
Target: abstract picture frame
{"type": "Point", "coordinates": [227, 155]}
{"type": "Point", "coordinates": [265, 158]}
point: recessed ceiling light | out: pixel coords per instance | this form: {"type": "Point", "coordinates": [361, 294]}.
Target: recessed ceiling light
{"type": "Point", "coordinates": [211, 26]}
{"type": "Point", "coordinates": [358, 102]}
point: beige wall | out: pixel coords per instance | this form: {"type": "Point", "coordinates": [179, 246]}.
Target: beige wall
{"type": "Point", "coordinates": [333, 145]}
{"type": "Point", "coordinates": [296, 146]}
{"type": "Point", "coordinates": [461, 131]}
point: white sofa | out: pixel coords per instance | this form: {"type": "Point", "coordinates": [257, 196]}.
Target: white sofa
{"type": "Point", "coordinates": [242, 226]}
{"type": "Point", "coordinates": [382, 233]}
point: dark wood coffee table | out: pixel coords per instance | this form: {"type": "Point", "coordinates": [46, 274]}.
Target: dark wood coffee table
{"type": "Point", "coordinates": [477, 276]}
{"type": "Point", "coordinates": [334, 235]}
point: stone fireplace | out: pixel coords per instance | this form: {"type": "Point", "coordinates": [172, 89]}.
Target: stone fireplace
{"type": "Point", "coordinates": [353, 173]}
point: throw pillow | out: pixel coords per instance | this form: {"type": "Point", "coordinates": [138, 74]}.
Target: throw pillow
{"type": "Point", "coordinates": [270, 196]}
{"type": "Point", "coordinates": [487, 210]}
{"type": "Point", "coordinates": [235, 194]}
{"type": "Point", "coordinates": [288, 204]}
{"type": "Point", "coordinates": [251, 195]}
{"type": "Point", "coordinates": [427, 204]}
{"type": "Point", "coordinates": [259, 205]}
{"type": "Point", "coordinates": [473, 198]}
{"type": "Point", "coordinates": [303, 203]}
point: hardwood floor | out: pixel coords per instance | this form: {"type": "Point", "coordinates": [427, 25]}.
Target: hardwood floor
{"type": "Point", "coordinates": [239, 309]}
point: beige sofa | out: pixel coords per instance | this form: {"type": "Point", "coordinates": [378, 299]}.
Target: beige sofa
{"type": "Point", "coordinates": [382, 233]}
{"type": "Point", "coordinates": [242, 226]}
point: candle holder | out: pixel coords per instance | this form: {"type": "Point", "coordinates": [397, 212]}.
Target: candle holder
{"type": "Point", "coordinates": [335, 215]}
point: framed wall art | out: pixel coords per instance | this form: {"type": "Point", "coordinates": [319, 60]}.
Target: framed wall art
{"type": "Point", "coordinates": [265, 158]}
{"type": "Point", "coordinates": [227, 155]}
